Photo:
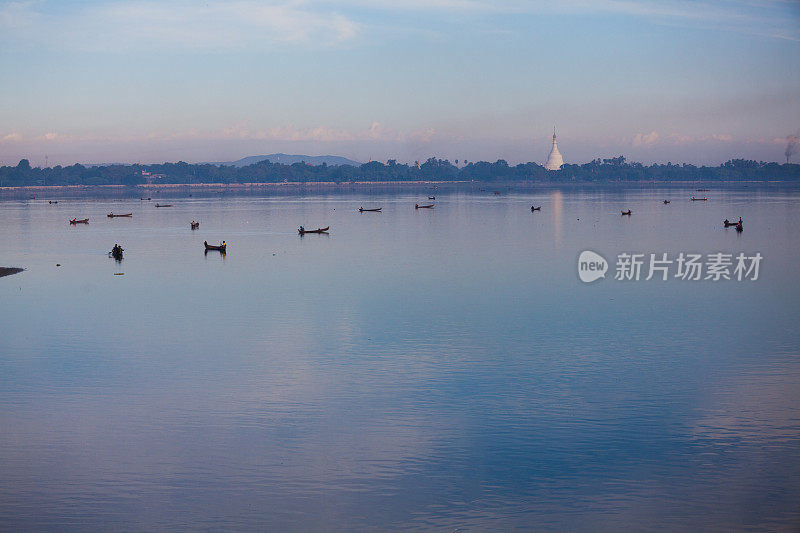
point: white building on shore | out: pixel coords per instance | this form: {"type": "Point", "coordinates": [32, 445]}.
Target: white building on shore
{"type": "Point", "coordinates": [554, 160]}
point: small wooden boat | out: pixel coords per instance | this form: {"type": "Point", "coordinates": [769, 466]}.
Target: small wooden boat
{"type": "Point", "coordinates": [667, 201]}
{"type": "Point", "coordinates": [81, 221]}
{"type": "Point", "coordinates": [702, 190]}
{"type": "Point", "coordinates": [144, 198]}
{"type": "Point", "coordinates": [628, 212]}
{"type": "Point", "coordinates": [728, 223]}
{"type": "Point", "coordinates": [52, 201]}
{"type": "Point", "coordinates": [429, 206]}
{"type": "Point", "coordinates": [376, 210]}
{"type": "Point", "coordinates": [303, 231]}
{"type": "Point", "coordinates": [431, 198]}
{"type": "Point", "coordinates": [195, 225]}
{"type": "Point", "coordinates": [223, 246]}
{"type": "Point", "coordinates": [536, 208]}
{"type": "Point", "coordinates": [699, 199]}
{"type": "Point", "coordinates": [163, 205]}
{"type": "Point", "coordinates": [112, 215]}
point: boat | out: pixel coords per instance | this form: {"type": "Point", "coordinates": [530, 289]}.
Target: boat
{"type": "Point", "coordinates": [112, 215]}
{"type": "Point", "coordinates": [81, 221]}
{"type": "Point", "coordinates": [195, 225]}
{"type": "Point", "coordinates": [702, 190]}
{"type": "Point", "coordinates": [52, 201]}
{"type": "Point", "coordinates": [667, 201]}
{"type": "Point", "coordinates": [699, 199]}
{"type": "Point", "coordinates": [431, 198]}
{"type": "Point", "coordinates": [497, 193]}
{"type": "Point", "coordinates": [429, 206]}
{"type": "Point", "coordinates": [116, 252]}
{"type": "Point", "coordinates": [163, 205]}
{"type": "Point", "coordinates": [376, 210]}
{"type": "Point", "coordinates": [144, 198]}
{"type": "Point", "coordinates": [728, 223]}
{"type": "Point", "coordinates": [223, 246]}
{"type": "Point", "coordinates": [536, 208]}
{"type": "Point", "coordinates": [303, 231]}
{"type": "Point", "coordinates": [628, 212]}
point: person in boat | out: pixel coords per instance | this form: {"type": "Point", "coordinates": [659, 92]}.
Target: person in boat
{"type": "Point", "coordinates": [740, 221]}
{"type": "Point", "coordinates": [727, 223]}
{"type": "Point", "coordinates": [302, 228]}
{"type": "Point", "coordinates": [223, 244]}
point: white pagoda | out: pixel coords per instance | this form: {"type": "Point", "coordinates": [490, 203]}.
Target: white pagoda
{"type": "Point", "coordinates": [554, 160]}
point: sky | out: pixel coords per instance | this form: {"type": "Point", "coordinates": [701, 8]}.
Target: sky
{"type": "Point", "coordinates": [210, 80]}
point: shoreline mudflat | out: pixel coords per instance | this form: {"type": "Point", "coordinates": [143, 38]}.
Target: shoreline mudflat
{"type": "Point", "coordinates": [7, 271]}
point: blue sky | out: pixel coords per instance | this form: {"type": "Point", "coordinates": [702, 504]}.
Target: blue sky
{"type": "Point", "coordinates": [214, 80]}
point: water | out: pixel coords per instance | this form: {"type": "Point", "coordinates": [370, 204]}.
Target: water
{"type": "Point", "coordinates": [414, 370]}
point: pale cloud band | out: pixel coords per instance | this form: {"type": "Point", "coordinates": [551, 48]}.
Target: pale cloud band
{"type": "Point", "coordinates": [121, 25]}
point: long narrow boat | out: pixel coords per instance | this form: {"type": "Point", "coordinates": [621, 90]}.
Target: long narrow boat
{"type": "Point", "coordinates": [376, 210]}
{"type": "Point", "coordinates": [302, 231]}
{"type": "Point", "coordinates": [539, 208]}
{"type": "Point", "coordinates": [429, 206]}
{"type": "Point", "coordinates": [699, 199]}
{"type": "Point", "coordinates": [431, 198]}
{"type": "Point", "coordinates": [112, 215]}
{"type": "Point", "coordinates": [81, 221]}
{"type": "Point", "coordinates": [628, 212]}
{"type": "Point", "coordinates": [221, 248]}
{"type": "Point", "coordinates": [667, 201]}
{"type": "Point", "coordinates": [163, 205]}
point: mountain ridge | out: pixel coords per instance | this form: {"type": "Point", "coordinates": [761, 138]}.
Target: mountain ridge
{"type": "Point", "coordinates": [289, 159]}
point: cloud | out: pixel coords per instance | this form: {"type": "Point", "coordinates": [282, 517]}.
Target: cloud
{"type": "Point", "coordinates": [722, 137]}
{"type": "Point", "coordinates": [646, 139]}
{"type": "Point", "coordinates": [17, 15]}
{"type": "Point", "coordinates": [653, 138]}
{"type": "Point", "coordinates": [11, 137]}
{"type": "Point", "coordinates": [148, 24]}
{"type": "Point", "coordinates": [776, 19]}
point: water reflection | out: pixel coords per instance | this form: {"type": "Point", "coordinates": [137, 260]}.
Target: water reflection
{"type": "Point", "coordinates": [418, 371]}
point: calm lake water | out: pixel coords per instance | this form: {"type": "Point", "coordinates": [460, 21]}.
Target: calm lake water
{"type": "Point", "coordinates": [413, 370]}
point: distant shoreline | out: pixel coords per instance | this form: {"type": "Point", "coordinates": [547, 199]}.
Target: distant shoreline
{"type": "Point", "coordinates": [358, 184]}
{"type": "Point", "coordinates": [7, 271]}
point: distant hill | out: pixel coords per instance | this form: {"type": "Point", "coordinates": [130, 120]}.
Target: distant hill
{"type": "Point", "coordinates": [286, 159]}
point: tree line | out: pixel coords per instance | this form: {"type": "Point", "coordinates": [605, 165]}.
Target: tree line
{"type": "Point", "coordinates": [434, 169]}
